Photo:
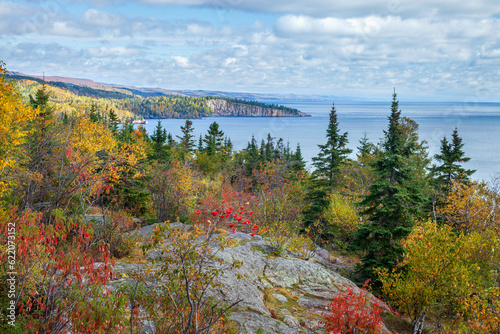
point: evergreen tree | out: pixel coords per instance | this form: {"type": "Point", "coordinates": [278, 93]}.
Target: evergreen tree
{"type": "Point", "coordinates": [365, 148]}
{"type": "Point", "coordinates": [394, 201]}
{"type": "Point", "coordinates": [229, 144]}
{"type": "Point", "coordinates": [298, 163]}
{"type": "Point", "coordinates": [113, 121]}
{"type": "Point", "coordinates": [252, 159]}
{"type": "Point", "coordinates": [332, 154]}
{"type": "Point", "coordinates": [200, 144]}
{"type": "Point", "coordinates": [46, 111]}
{"type": "Point", "coordinates": [269, 148]}
{"type": "Point", "coordinates": [262, 152]}
{"type": "Point", "coordinates": [326, 176]}
{"type": "Point", "coordinates": [159, 138]}
{"type": "Point", "coordinates": [214, 139]}
{"type": "Point", "coordinates": [186, 141]}
{"type": "Point", "coordinates": [451, 156]}
{"type": "Point", "coordinates": [94, 115]}
{"type": "Point", "coordinates": [41, 101]}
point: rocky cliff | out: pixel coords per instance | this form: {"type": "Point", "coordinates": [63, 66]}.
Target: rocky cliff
{"type": "Point", "coordinates": [221, 107]}
{"type": "Point", "coordinates": [278, 295]}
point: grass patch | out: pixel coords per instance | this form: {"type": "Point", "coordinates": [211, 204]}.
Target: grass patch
{"type": "Point", "coordinates": [275, 306]}
{"type": "Point", "coordinates": [258, 248]}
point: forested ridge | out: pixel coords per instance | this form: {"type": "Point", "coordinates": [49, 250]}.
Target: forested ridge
{"type": "Point", "coordinates": [75, 185]}
{"type": "Point", "coordinates": [132, 104]}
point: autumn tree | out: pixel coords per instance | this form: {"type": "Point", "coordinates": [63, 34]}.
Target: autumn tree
{"type": "Point", "coordinates": [438, 270]}
{"type": "Point", "coordinates": [395, 199]}
{"type": "Point", "coordinates": [14, 120]}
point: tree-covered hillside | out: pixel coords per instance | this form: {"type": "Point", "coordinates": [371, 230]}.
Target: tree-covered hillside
{"type": "Point", "coordinates": [129, 103]}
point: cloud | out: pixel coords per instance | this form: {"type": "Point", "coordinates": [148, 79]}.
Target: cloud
{"type": "Point", "coordinates": [321, 8]}
{"type": "Point", "coordinates": [325, 47]}
{"type": "Point", "coordinates": [113, 52]}
{"type": "Point", "coordinates": [62, 28]}
{"type": "Point", "coordinates": [98, 18]}
{"type": "Point", "coordinates": [10, 9]}
{"type": "Point", "coordinates": [181, 61]}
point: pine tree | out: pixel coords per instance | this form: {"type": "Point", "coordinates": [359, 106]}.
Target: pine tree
{"type": "Point", "coordinates": [46, 111]}
{"type": "Point", "coordinates": [159, 138]}
{"type": "Point", "coordinates": [252, 159]}
{"type": "Point", "coordinates": [298, 163]}
{"type": "Point", "coordinates": [214, 139]}
{"type": "Point", "coordinates": [326, 176]}
{"type": "Point", "coordinates": [451, 156]}
{"type": "Point", "coordinates": [94, 114]}
{"type": "Point", "coordinates": [186, 141]}
{"type": "Point", "coordinates": [365, 148]}
{"type": "Point", "coordinates": [332, 154]}
{"type": "Point", "coordinates": [41, 101]}
{"type": "Point", "coordinates": [269, 148]}
{"type": "Point", "coordinates": [262, 152]}
{"type": "Point", "coordinates": [395, 198]}
{"type": "Point", "coordinates": [200, 144]}
{"type": "Point", "coordinates": [113, 121]}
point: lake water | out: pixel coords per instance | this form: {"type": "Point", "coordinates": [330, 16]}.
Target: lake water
{"type": "Point", "coordinates": [478, 124]}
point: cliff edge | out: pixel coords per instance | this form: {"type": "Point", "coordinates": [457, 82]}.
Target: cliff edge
{"type": "Point", "coordinates": [221, 107]}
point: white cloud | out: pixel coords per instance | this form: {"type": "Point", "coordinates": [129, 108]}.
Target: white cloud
{"type": "Point", "coordinates": [113, 52]}
{"type": "Point", "coordinates": [318, 46]}
{"type": "Point", "coordinates": [62, 28]}
{"type": "Point", "coordinates": [98, 18]}
{"type": "Point", "coordinates": [181, 61]}
{"type": "Point", "coordinates": [322, 8]}
{"type": "Point", "coordinates": [9, 9]}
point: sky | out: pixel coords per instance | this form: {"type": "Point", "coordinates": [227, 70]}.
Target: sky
{"type": "Point", "coordinates": [430, 50]}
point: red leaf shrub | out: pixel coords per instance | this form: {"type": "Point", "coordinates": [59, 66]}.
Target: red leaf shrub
{"type": "Point", "coordinates": [353, 313]}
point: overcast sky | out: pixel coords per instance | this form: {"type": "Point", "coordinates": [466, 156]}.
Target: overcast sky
{"type": "Point", "coordinates": [427, 49]}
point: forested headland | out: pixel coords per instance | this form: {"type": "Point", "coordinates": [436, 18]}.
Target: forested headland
{"type": "Point", "coordinates": [75, 185]}
{"type": "Point", "coordinates": [134, 104]}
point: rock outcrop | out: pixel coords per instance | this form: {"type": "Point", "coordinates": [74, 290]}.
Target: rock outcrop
{"type": "Point", "coordinates": [285, 295]}
{"type": "Point", "coordinates": [221, 107]}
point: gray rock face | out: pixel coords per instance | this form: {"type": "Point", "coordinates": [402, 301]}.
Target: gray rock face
{"type": "Point", "coordinates": [222, 107]}
{"type": "Point", "coordinates": [251, 322]}
{"type": "Point", "coordinates": [309, 287]}
{"type": "Point", "coordinates": [280, 298]}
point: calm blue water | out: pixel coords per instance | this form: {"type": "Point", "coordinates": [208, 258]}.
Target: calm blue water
{"type": "Point", "coordinates": [478, 125]}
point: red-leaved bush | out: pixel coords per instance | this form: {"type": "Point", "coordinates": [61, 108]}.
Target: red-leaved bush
{"type": "Point", "coordinates": [351, 313]}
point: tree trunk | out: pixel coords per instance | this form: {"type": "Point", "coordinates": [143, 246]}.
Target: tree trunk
{"type": "Point", "coordinates": [419, 323]}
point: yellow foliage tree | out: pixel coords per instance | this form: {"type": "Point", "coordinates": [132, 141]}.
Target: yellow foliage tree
{"type": "Point", "coordinates": [470, 206]}
{"type": "Point", "coordinates": [438, 270]}
{"type": "Point", "coordinates": [14, 116]}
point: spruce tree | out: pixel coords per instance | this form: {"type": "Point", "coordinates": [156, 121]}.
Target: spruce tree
{"type": "Point", "coordinates": [394, 201]}
{"type": "Point", "coordinates": [252, 159]}
{"type": "Point", "coordinates": [298, 163]}
{"type": "Point", "coordinates": [186, 141]}
{"type": "Point", "coordinates": [451, 157]}
{"type": "Point", "coordinates": [200, 144]}
{"type": "Point", "coordinates": [365, 148]}
{"type": "Point", "coordinates": [332, 154]}
{"type": "Point", "coordinates": [326, 175]}
{"type": "Point", "coordinates": [113, 121]}
{"type": "Point", "coordinates": [214, 139]}
{"type": "Point", "coordinates": [159, 138]}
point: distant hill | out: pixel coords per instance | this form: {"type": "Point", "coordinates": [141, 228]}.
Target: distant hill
{"type": "Point", "coordinates": [154, 102]}
{"type": "Point", "coordinates": [145, 92]}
